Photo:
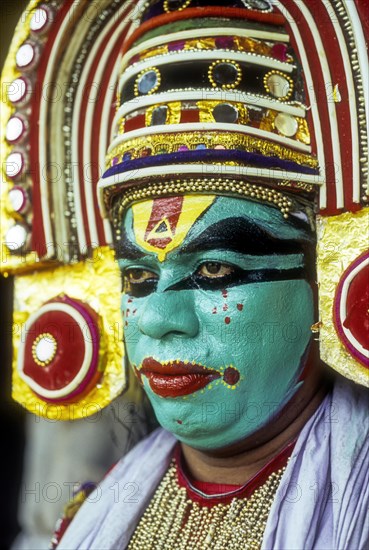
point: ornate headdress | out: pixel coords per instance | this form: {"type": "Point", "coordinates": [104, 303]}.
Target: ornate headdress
{"type": "Point", "coordinates": [248, 98]}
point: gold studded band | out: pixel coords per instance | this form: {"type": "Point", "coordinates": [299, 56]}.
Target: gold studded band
{"type": "Point", "coordinates": [230, 187]}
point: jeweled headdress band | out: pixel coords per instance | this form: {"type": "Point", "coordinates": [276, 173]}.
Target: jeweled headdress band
{"type": "Point", "coordinates": [199, 97]}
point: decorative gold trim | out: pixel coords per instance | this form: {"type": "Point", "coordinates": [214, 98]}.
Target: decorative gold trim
{"type": "Point", "coordinates": [207, 107]}
{"type": "Point", "coordinates": [169, 143]}
{"type": "Point", "coordinates": [302, 134]}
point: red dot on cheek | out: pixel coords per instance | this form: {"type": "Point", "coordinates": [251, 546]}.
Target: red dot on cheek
{"type": "Point", "coordinates": [179, 421]}
{"type": "Point", "coordinates": [231, 376]}
{"type": "Point", "coordinates": [240, 307]}
{"type": "Point", "coordinates": [227, 320]}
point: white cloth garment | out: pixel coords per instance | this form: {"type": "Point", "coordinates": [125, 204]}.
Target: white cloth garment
{"type": "Point", "coordinates": [322, 500]}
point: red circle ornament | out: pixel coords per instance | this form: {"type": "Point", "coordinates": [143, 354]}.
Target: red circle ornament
{"type": "Point", "coordinates": [59, 355]}
{"type": "Point", "coordinates": [351, 309]}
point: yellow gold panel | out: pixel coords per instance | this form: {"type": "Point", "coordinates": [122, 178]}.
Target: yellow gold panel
{"type": "Point", "coordinates": [200, 44]}
{"type": "Point", "coordinates": [341, 239]}
{"type": "Point", "coordinates": [303, 133]}
{"type": "Point", "coordinates": [97, 283]}
{"type": "Point", "coordinates": [160, 50]}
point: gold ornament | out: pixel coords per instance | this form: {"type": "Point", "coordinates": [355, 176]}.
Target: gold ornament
{"type": "Point", "coordinates": [170, 142]}
{"type": "Point", "coordinates": [341, 239]}
{"type": "Point", "coordinates": [87, 281]}
{"type": "Point", "coordinates": [172, 520]}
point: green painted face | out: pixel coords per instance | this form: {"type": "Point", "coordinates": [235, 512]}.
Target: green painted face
{"type": "Point", "coordinates": [217, 313]}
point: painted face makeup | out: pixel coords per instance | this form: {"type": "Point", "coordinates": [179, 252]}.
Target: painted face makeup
{"type": "Point", "coordinates": [217, 311]}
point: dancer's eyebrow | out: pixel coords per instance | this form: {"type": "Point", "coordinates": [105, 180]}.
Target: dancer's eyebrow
{"type": "Point", "coordinates": [127, 250]}
{"type": "Point", "coordinates": [241, 235]}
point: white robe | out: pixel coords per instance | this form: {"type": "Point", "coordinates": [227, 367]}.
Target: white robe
{"type": "Point", "coordinates": [321, 503]}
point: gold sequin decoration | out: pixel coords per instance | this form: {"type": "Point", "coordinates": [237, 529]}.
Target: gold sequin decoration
{"type": "Point", "coordinates": [341, 239]}
{"type": "Point", "coordinates": [169, 143]}
{"type": "Point", "coordinates": [236, 188]}
{"type": "Point", "coordinates": [172, 520]}
{"type": "Point", "coordinates": [122, 125]}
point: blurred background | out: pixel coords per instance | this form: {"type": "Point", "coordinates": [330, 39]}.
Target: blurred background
{"type": "Point", "coordinates": [12, 416]}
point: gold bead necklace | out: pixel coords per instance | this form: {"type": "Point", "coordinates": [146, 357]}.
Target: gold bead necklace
{"type": "Point", "coordinates": [173, 521]}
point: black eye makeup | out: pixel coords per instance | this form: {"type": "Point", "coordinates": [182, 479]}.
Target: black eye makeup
{"type": "Point", "coordinates": [209, 275]}
{"type": "Point", "coordinates": [217, 276]}
{"type": "Point", "coordinates": [138, 282]}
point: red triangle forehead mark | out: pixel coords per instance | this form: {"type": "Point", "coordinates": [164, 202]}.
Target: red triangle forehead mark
{"type": "Point", "coordinates": [163, 219]}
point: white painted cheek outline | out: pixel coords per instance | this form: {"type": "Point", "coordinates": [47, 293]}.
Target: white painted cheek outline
{"type": "Point", "coordinates": [85, 330]}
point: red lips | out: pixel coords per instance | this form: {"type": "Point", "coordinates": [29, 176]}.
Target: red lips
{"type": "Point", "coordinates": [175, 379]}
